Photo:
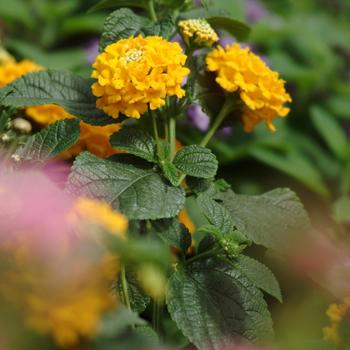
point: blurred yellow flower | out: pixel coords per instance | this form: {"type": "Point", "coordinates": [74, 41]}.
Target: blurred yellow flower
{"type": "Point", "coordinates": [135, 74]}
{"type": "Point", "coordinates": [99, 213]}
{"type": "Point", "coordinates": [199, 31]}
{"type": "Point", "coordinates": [261, 90]}
{"type": "Point", "coordinates": [186, 220]}
{"type": "Point", "coordinates": [336, 314]}
{"type": "Point", "coordinates": [92, 138]}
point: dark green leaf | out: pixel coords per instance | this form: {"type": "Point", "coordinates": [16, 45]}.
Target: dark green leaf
{"type": "Point", "coordinates": [216, 213]}
{"type": "Point", "coordinates": [135, 141]}
{"type": "Point", "coordinates": [238, 29]}
{"type": "Point", "coordinates": [121, 24]}
{"type": "Point", "coordinates": [196, 161]}
{"type": "Point", "coordinates": [138, 193]}
{"type": "Point", "coordinates": [260, 275]}
{"type": "Point", "coordinates": [138, 300]}
{"type": "Point", "coordinates": [272, 219]}
{"type": "Point", "coordinates": [50, 141]}
{"type": "Point", "coordinates": [172, 232]}
{"type": "Point", "coordinates": [164, 28]}
{"type": "Point", "coordinates": [70, 91]}
{"type": "Point", "coordinates": [213, 303]}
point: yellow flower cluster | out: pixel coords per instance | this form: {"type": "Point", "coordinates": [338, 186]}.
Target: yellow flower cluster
{"type": "Point", "coordinates": [261, 90]}
{"type": "Point", "coordinates": [92, 138]}
{"type": "Point", "coordinates": [135, 74]}
{"type": "Point", "coordinates": [198, 31]}
{"type": "Point", "coordinates": [99, 213]}
{"type": "Point", "coordinates": [66, 296]}
{"type": "Point", "coordinates": [336, 314]}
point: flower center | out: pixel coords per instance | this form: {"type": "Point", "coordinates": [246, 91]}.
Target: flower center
{"type": "Point", "coordinates": [133, 55]}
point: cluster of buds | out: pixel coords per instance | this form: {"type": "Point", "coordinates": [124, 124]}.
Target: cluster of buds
{"type": "Point", "coordinates": [198, 32]}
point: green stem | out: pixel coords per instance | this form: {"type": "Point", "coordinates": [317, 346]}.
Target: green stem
{"type": "Point", "coordinates": [155, 130]}
{"type": "Point", "coordinates": [208, 253]}
{"type": "Point", "coordinates": [125, 290]}
{"type": "Point", "coordinates": [172, 135]}
{"type": "Point", "coordinates": [156, 315]}
{"type": "Point", "coordinates": [151, 11]}
{"type": "Point", "coordinates": [225, 110]}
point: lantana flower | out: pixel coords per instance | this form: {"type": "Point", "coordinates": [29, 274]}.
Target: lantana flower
{"type": "Point", "coordinates": [198, 31]}
{"type": "Point", "coordinates": [92, 138]}
{"type": "Point", "coordinates": [135, 74]}
{"type": "Point", "coordinates": [260, 89]}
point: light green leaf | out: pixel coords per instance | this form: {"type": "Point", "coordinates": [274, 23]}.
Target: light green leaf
{"type": "Point", "coordinates": [104, 4]}
{"type": "Point", "coordinates": [172, 232]}
{"type": "Point", "coordinates": [213, 303]}
{"type": "Point", "coordinates": [196, 161]}
{"type": "Point", "coordinates": [170, 172]}
{"type": "Point", "coordinates": [331, 131]}
{"type": "Point", "coordinates": [135, 141]}
{"type": "Point", "coordinates": [50, 141]}
{"type": "Point", "coordinates": [260, 275]}
{"type": "Point", "coordinates": [138, 193]}
{"type": "Point", "coordinates": [70, 91]}
{"type": "Point", "coordinates": [272, 219]}
{"type": "Point", "coordinates": [341, 209]}
{"type": "Point", "coordinates": [121, 24]}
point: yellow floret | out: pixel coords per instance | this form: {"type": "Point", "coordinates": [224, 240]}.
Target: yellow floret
{"type": "Point", "coordinates": [260, 89]}
{"type": "Point", "coordinates": [198, 31]}
{"type": "Point", "coordinates": [135, 74]}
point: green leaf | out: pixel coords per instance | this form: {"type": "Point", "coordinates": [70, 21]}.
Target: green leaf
{"type": "Point", "coordinates": [260, 275]}
{"type": "Point", "coordinates": [135, 141]}
{"type": "Point", "coordinates": [50, 141]}
{"type": "Point", "coordinates": [138, 300]}
{"type": "Point", "coordinates": [164, 28]}
{"type": "Point", "coordinates": [138, 193]}
{"type": "Point", "coordinates": [331, 131]}
{"type": "Point", "coordinates": [170, 172]}
{"type": "Point", "coordinates": [121, 24]}
{"type": "Point", "coordinates": [216, 213]}
{"type": "Point", "coordinates": [213, 303]}
{"type": "Point", "coordinates": [341, 209]}
{"type": "Point", "coordinates": [172, 232]}
{"type": "Point", "coordinates": [104, 4]}
{"type": "Point", "coordinates": [196, 161]}
{"type": "Point", "coordinates": [272, 219]}
{"type": "Point", "coordinates": [70, 91]}
{"type": "Point", "coordinates": [237, 28]}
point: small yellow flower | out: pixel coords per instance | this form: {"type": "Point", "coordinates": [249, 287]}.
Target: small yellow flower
{"type": "Point", "coordinates": [198, 31]}
{"type": "Point", "coordinates": [336, 314]}
{"type": "Point", "coordinates": [99, 213]}
{"type": "Point", "coordinates": [135, 74]}
{"type": "Point", "coordinates": [260, 89]}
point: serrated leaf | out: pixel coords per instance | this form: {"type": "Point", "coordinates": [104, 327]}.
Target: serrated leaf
{"type": "Point", "coordinates": [171, 172]}
{"type": "Point", "coordinates": [163, 28]}
{"type": "Point", "coordinates": [138, 300]}
{"type": "Point", "coordinates": [196, 161]}
{"type": "Point", "coordinates": [50, 141]}
{"type": "Point", "coordinates": [121, 24]}
{"type": "Point", "coordinates": [216, 213]}
{"type": "Point", "coordinates": [172, 232]}
{"type": "Point", "coordinates": [213, 304]}
{"type": "Point", "coordinates": [104, 4]}
{"type": "Point", "coordinates": [65, 89]}
{"type": "Point", "coordinates": [272, 219]}
{"type": "Point", "coordinates": [332, 133]}
{"type": "Point", "coordinates": [260, 275]}
{"type": "Point", "coordinates": [140, 194]}
{"type": "Point", "coordinates": [135, 141]}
